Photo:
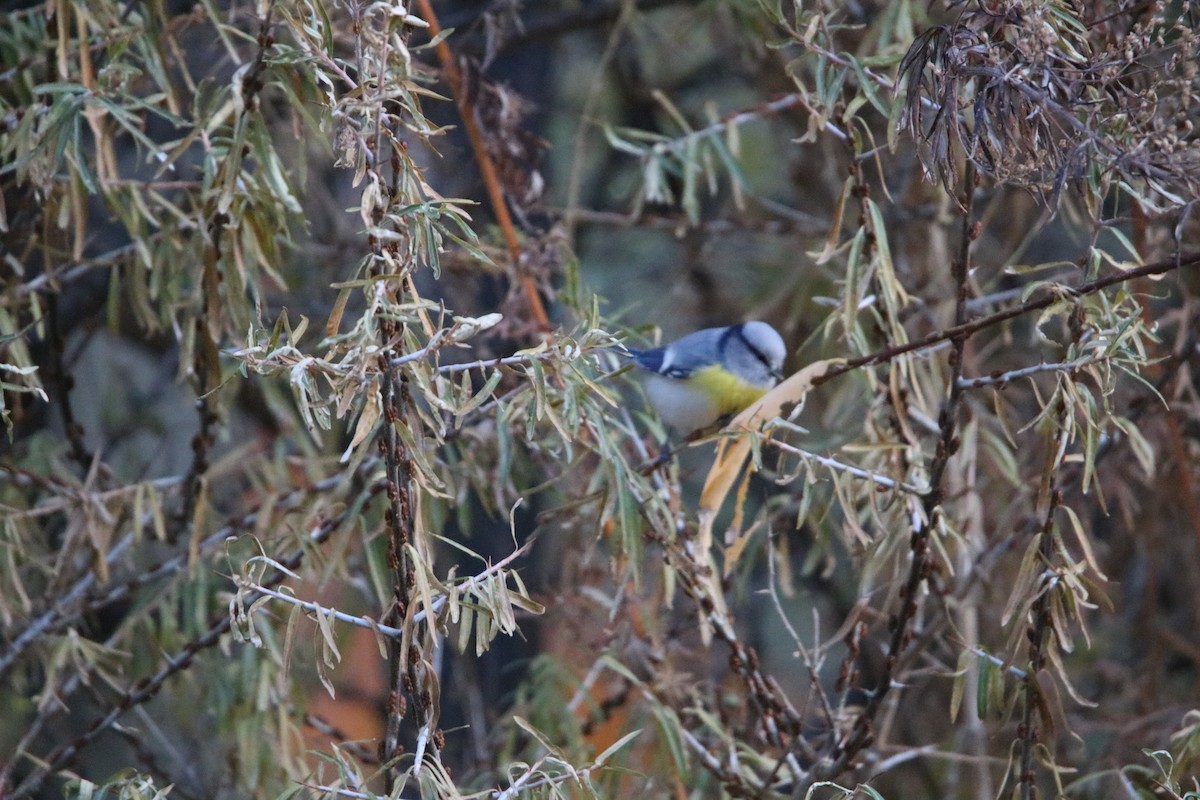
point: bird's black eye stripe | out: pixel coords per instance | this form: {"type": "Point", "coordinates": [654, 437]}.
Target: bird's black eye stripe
{"type": "Point", "coordinates": [736, 330]}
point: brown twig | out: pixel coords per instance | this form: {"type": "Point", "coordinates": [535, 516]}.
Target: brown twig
{"type": "Point", "coordinates": [398, 520]}
{"type": "Point", "coordinates": [1040, 624]}
{"type": "Point", "coordinates": [921, 567]}
{"type": "Point", "coordinates": [1052, 294]}
{"type": "Point", "coordinates": [205, 360]}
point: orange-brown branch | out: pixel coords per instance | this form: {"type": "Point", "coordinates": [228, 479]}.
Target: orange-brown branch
{"type": "Point", "coordinates": [488, 170]}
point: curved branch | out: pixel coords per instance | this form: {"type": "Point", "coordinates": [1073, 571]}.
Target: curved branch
{"type": "Point", "coordinates": [1050, 297]}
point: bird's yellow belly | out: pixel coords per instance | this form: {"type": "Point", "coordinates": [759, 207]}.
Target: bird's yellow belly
{"type": "Point", "coordinates": [729, 392]}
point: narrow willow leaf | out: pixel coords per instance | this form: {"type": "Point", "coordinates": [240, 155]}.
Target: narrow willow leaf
{"type": "Point", "coordinates": [1142, 449]}
{"type": "Point", "coordinates": [465, 625]}
{"type": "Point", "coordinates": [1060, 670]}
{"type": "Point", "coordinates": [990, 679]}
{"type": "Point", "coordinates": [960, 682]}
{"type": "Point", "coordinates": [1027, 578]}
{"type": "Point", "coordinates": [1084, 540]}
{"type": "Point", "coordinates": [367, 419]}
{"type": "Point", "coordinates": [850, 291]}
{"type": "Point", "coordinates": [732, 452]}
{"type": "Point", "coordinates": [833, 236]}
{"type": "Point", "coordinates": [330, 655]}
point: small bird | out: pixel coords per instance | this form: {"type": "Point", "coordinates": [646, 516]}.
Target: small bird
{"type": "Point", "coordinates": [711, 373]}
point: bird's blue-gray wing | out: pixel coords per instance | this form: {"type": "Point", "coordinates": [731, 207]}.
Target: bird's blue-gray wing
{"type": "Point", "coordinates": [649, 359]}
{"type": "Point", "coordinates": [681, 358]}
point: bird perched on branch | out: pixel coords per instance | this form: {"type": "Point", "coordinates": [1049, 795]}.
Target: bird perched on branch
{"type": "Point", "coordinates": [712, 373]}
